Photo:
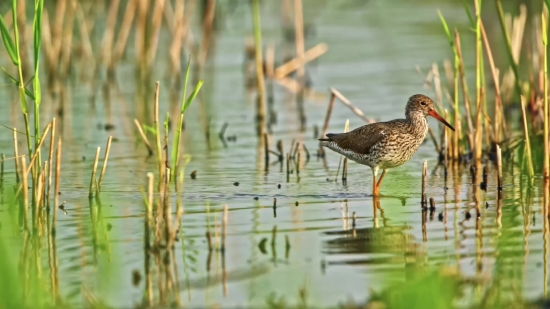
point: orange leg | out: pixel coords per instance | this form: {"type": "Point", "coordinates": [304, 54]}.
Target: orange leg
{"type": "Point", "coordinates": [380, 179]}
{"type": "Point", "coordinates": [376, 184]}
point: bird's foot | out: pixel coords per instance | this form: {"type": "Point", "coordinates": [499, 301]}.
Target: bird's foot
{"type": "Point", "coordinates": [378, 194]}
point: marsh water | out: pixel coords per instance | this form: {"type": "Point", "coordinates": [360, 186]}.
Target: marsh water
{"type": "Point", "coordinates": [313, 250]}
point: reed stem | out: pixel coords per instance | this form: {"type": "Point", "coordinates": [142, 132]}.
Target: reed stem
{"type": "Point", "coordinates": [424, 175]}
{"type": "Point", "coordinates": [260, 102]}
{"type": "Point", "coordinates": [545, 110]}
{"type": "Point", "coordinates": [527, 142]}
{"type": "Point", "coordinates": [104, 167]}
{"type": "Point", "coordinates": [25, 194]}
{"type": "Point", "coordinates": [94, 169]}
{"type": "Point", "coordinates": [57, 182]}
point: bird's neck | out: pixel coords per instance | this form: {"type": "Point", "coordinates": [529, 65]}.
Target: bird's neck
{"type": "Point", "coordinates": [418, 123]}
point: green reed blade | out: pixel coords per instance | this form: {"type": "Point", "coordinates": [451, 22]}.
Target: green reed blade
{"type": "Point", "coordinates": [470, 18]}
{"type": "Point", "coordinates": [8, 42]}
{"type": "Point", "coordinates": [176, 141]}
{"type": "Point", "coordinates": [192, 96]}
{"type": "Point", "coordinates": [186, 82]}
{"type": "Point", "coordinates": [447, 32]}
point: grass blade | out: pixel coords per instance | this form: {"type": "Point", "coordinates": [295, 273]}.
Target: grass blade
{"type": "Point", "coordinates": [8, 41]}
{"type": "Point", "coordinates": [192, 96]}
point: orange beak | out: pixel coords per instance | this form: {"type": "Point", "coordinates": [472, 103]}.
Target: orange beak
{"type": "Point", "coordinates": [434, 114]}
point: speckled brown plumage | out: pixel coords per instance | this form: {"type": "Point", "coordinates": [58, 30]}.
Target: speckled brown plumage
{"type": "Point", "coordinates": [386, 145]}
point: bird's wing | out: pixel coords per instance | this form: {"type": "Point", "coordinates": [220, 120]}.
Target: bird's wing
{"type": "Point", "coordinates": [362, 139]}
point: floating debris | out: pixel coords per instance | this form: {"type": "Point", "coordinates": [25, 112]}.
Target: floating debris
{"type": "Point", "coordinates": [62, 207]}
{"type": "Point", "coordinates": [194, 175]}
{"type": "Point", "coordinates": [236, 183]}
{"type": "Point", "coordinates": [136, 277]}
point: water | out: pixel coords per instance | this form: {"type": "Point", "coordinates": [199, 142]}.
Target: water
{"type": "Point", "coordinates": [374, 47]}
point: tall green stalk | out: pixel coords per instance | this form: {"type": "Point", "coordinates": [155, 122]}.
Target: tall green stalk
{"type": "Point", "coordinates": [545, 78]}
{"type": "Point", "coordinates": [37, 38]}
{"type": "Point", "coordinates": [184, 105]}
{"type": "Point", "coordinates": [21, 83]}
{"type": "Point", "coordinates": [479, 76]}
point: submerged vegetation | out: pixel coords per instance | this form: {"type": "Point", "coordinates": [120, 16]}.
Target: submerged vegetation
{"type": "Point", "coordinates": [504, 118]}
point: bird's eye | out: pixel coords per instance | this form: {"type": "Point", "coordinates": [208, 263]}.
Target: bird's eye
{"type": "Point", "coordinates": [423, 103]}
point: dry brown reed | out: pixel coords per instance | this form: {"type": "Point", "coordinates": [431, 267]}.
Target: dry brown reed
{"type": "Point", "coordinates": [154, 34]}
{"type": "Point", "coordinates": [224, 226]}
{"type": "Point", "coordinates": [144, 137]}
{"type": "Point", "coordinates": [298, 62]}
{"type": "Point", "coordinates": [348, 104]}
{"type": "Point", "coordinates": [50, 163]}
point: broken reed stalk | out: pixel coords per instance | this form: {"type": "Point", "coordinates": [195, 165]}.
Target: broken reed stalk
{"type": "Point", "coordinates": [347, 103]}
{"type": "Point", "coordinates": [545, 110]}
{"type": "Point", "coordinates": [94, 169]}
{"type": "Point", "coordinates": [25, 193]}
{"type": "Point", "coordinates": [104, 167]}
{"type": "Point", "coordinates": [274, 207]}
{"type": "Point", "coordinates": [25, 172]}
{"type": "Point", "coordinates": [50, 162]}
{"type": "Point", "coordinates": [38, 193]}
{"type": "Point", "coordinates": [424, 175]}
{"type": "Point", "coordinates": [527, 151]}
{"type": "Point", "coordinates": [260, 101]}
{"type": "Point", "coordinates": [294, 64]}
{"type": "Point", "coordinates": [144, 137]}
{"type": "Point", "coordinates": [57, 181]}
{"type": "Point", "coordinates": [499, 123]}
